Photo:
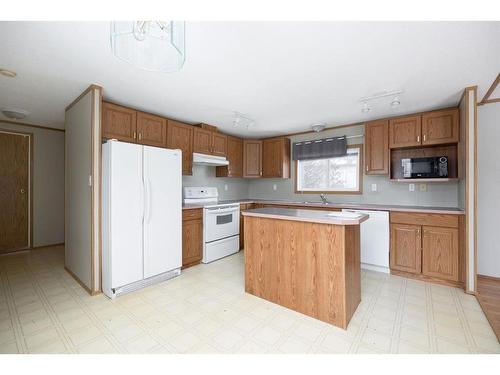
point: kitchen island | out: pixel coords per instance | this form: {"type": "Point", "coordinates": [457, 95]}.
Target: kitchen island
{"type": "Point", "coordinates": [305, 260]}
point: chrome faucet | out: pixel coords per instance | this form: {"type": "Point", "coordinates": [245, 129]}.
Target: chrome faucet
{"type": "Point", "coordinates": [323, 198]}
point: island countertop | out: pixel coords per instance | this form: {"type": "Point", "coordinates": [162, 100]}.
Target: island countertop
{"type": "Point", "coordinates": [321, 217]}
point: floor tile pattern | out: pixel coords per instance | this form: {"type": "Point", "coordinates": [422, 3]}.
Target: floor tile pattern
{"type": "Point", "coordinates": [205, 310]}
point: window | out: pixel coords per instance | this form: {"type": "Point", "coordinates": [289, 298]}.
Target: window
{"type": "Point", "coordinates": [338, 174]}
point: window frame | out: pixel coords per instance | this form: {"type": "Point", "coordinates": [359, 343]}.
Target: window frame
{"type": "Point", "coordinates": [342, 192]}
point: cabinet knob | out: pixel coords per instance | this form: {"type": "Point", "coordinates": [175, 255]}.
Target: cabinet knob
{"type": "Point", "coordinates": [135, 135]}
{"type": "Point", "coordinates": [418, 138]}
{"type": "Point", "coordinates": [140, 136]}
{"type": "Point", "coordinates": [424, 137]}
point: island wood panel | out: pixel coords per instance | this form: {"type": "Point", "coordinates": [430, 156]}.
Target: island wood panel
{"type": "Point", "coordinates": [440, 127]}
{"type": "Point", "coordinates": [405, 131]}
{"type": "Point", "coordinates": [180, 136]}
{"type": "Point", "coordinates": [311, 268]}
{"type": "Point", "coordinates": [119, 122]}
{"type": "Point", "coordinates": [377, 148]}
{"type": "Point", "coordinates": [151, 130]}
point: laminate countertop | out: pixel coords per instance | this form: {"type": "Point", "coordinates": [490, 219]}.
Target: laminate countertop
{"type": "Point", "coordinates": [353, 206]}
{"type": "Point", "coordinates": [311, 216]}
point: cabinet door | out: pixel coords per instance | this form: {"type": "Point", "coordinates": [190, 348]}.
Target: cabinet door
{"type": "Point", "coordinates": [151, 130]}
{"type": "Point", "coordinates": [235, 158]}
{"type": "Point", "coordinates": [377, 147]}
{"type": "Point", "coordinates": [219, 144]}
{"type": "Point", "coordinates": [252, 158]}
{"type": "Point", "coordinates": [272, 157]}
{"type": "Point", "coordinates": [406, 254]}
{"type": "Point", "coordinates": [405, 132]}
{"type": "Point", "coordinates": [118, 122]}
{"type": "Point", "coordinates": [180, 136]}
{"type": "Point", "coordinates": [440, 253]}
{"type": "Point", "coordinates": [202, 141]}
{"type": "Point", "coordinates": [440, 127]}
{"type": "Point", "coordinates": [192, 237]}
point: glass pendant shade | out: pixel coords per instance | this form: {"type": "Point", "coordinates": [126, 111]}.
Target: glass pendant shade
{"type": "Point", "coordinates": [156, 46]}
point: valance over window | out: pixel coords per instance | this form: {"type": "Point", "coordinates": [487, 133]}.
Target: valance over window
{"type": "Point", "coordinates": [320, 148]}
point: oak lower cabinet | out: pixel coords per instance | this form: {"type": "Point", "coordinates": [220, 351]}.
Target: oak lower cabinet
{"type": "Point", "coordinates": [427, 245]}
{"type": "Point", "coordinates": [377, 147]}
{"type": "Point", "coordinates": [119, 122]}
{"type": "Point", "coordinates": [252, 158]}
{"type": "Point", "coordinates": [235, 158]}
{"type": "Point", "coordinates": [406, 252]}
{"type": "Point", "coordinates": [192, 237]}
{"type": "Point", "coordinates": [276, 157]}
{"type": "Point", "coordinates": [180, 136]}
{"type": "Point", "coordinates": [151, 130]}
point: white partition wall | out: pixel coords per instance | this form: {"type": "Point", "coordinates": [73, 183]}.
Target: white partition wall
{"type": "Point", "coordinates": [82, 188]}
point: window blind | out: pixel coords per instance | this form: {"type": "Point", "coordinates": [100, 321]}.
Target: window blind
{"type": "Point", "coordinates": [320, 148]}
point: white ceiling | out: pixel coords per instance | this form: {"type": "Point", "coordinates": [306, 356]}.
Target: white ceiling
{"type": "Point", "coordinates": [284, 75]}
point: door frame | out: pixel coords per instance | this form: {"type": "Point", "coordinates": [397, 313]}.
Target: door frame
{"type": "Point", "coordinates": [30, 184]}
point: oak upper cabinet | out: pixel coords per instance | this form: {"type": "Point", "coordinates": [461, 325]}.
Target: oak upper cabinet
{"type": "Point", "coordinates": [406, 254]}
{"type": "Point", "coordinates": [219, 144]}
{"type": "Point", "coordinates": [151, 130]}
{"type": "Point", "coordinates": [440, 127]}
{"type": "Point", "coordinates": [202, 141]}
{"type": "Point", "coordinates": [440, 253]}
{"type": "Point", "coordinates": [276, 157]}
{"type": "Point", "coordinates": [192, 237]}
{"type": "Point", "coordinates": [235, 158]}
{"type": "Point", "coordinates": [405, 131]}
{"type": "Point", "coordinates": [180, 136]}
{"type": "Point", "coordinates": [118, 122]}
{"type": "Point", "coordinates": [377, 147]}
{"type": "Point", "coordinates": [252, 158]}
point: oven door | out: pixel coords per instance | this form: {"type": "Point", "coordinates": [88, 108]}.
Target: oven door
{"type": "Point", "coordinates": [221, 222]}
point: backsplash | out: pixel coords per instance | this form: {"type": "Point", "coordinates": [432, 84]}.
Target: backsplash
{"type": "Point", "coordinates": [237, 188]}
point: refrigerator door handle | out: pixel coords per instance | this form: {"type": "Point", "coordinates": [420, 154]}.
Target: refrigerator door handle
{"type": "Point", "coordinates": [147, 200]}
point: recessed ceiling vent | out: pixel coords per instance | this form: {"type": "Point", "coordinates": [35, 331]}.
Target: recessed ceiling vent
{"type": "Point", "coordinates": [15, 114]}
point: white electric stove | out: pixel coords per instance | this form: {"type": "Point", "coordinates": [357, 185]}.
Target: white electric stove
{"type": "Point", "coordinates": [221, 222]}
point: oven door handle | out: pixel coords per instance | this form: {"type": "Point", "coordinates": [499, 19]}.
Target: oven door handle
{"type": "Point", "coordinates": [217, 211]}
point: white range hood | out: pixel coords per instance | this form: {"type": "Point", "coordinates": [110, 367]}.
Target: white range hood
{"type": "Point", "coordinates": [210, 160]}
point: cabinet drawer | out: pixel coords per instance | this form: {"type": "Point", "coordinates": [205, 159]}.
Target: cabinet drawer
{"type": "Point", "coordinates": [436, 220]}
{"type": "Point", "coordinates": [190, 214]}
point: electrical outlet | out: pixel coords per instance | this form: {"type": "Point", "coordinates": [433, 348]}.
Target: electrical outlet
{"type": "Point", "coordinates": [226, 188]}
{"type": "Point", "coordinates": [411, 187]}
{"type": "Point", "coordinates": [275, 187]}
{"type": "Point", "coordinates": [422, 187]}
{"type": "Point", "coordinates": [374, 187]}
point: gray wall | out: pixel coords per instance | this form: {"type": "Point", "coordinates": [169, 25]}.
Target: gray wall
{"type": "Point", "coordinates": [237, 188]}
{"type": "Point", "coordinates": [48, 183]}
{"type": "Point", "coordinates": [438, 194]}
{"type": "Point", "coordinates": [488, 196]}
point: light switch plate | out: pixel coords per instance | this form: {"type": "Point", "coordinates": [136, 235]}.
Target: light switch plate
{"type": "Point", "coordinates": [422, 187]}
{"type": "Point", "coordinates": [374, 187]}
{"type": "Point", "coordinates": [275, 187]}
{"type": "Point", "coordinates": [411, 187]}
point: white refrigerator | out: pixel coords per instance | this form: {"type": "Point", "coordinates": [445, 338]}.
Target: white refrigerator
{"type": "Point", "coordinates": [141, 216]}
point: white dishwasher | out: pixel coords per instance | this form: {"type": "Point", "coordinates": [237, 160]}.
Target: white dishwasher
{"type": "Point", "coordinates": [374, 240]}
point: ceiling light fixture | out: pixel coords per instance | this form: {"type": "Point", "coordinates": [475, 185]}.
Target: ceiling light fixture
{"type": "Point", "coordinates": [241, 120]}
{"type": "Point", "coordinates": [8, 73]}
{"type": "Point", "coordinates": [14, 113]}
{"type": "Point", "coordinates": [395, 102]}
{"type": "Point", "coordinates": [318, 127]}
{"type": "Point", "coordinates": [366, 108]}
{"type": "Point", "coordinates": [379, 95]}
{"type": "Point", "coordinates": [157, 46]}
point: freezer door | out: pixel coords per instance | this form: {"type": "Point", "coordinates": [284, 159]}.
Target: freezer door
{"type": "Point", "coordinates": [162, 176]}
{"type": "Point", "coordinates": [123, 221]}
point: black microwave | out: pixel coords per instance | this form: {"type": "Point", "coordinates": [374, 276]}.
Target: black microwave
{"type": "Point", "coordinates": [429, 167]}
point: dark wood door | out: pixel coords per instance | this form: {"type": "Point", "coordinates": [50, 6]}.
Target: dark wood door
{"type": "Point", "coordinates": [405, 132]}
{"type": "Point", "coordinates": [192, 241]}
{"type": "Point", "coordinates": [219, 144]}
{"type": "Point", "coordinates": [440, 127]}
{"type": "Point", "coordinates": [272, 157]}
{"type": "Point", "coordinates": [252, 158]}
{"type": "Point", "coordinates": [202, 141]}
{"type": "Point", "coordinates": [377, 147]}
{"type": "Point", "coordinates": [119, 122]}
{"type": "Point", "coordinates": [14, 192]}
{"type": "Point", "coordinates": [180, 136]}
{"type": "Point", "coordinates": [440, 253]}
{"type": "Point", "coordinates": [406, 254]}
{"type": "Point", "coordinates": [151, 130]}
{"type": "Point", "coordinates": [235, 158]}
